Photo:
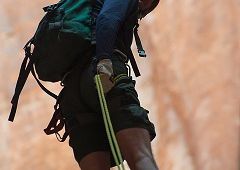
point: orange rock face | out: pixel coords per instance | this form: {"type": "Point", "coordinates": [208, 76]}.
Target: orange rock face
{"type": "Point", "coordinates": [190, 83]}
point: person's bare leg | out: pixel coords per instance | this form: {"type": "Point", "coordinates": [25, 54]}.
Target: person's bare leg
{"type": "Point", "coordinates": [95, 161]}
{"type": "Point", "coordinates": [136, 148]}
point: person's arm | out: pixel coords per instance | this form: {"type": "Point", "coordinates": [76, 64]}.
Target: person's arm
{"type": "Point", "coordinates": [109, 21]}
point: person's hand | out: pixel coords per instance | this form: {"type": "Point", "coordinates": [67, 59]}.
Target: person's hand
{"type": "Point", "coordinates": [105, 70]}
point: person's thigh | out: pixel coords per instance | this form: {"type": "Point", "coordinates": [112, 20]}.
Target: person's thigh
{"type": "Point", "coordinates": [95, 161]}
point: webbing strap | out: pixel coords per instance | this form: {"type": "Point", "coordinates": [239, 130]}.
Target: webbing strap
{"type": "Point", "coordinates": [133, 63]}
{"type": "Point", "coordinates": [22, 77]}
{"type": "Point", "coordinates": [108, 125]}
{"type": "Point", "coordinates": [42, 86]}
{"type": "Point", "coordinates": [130, 56]}
{"type": "Point", "coordinates": [141, 51]}
{"type": "Point", "coordinates": [26, 68]}
{"type": "Point", "coordinates": [56, 124]}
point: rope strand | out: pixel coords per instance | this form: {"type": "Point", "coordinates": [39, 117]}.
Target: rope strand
{"type": "Point", "coordinates": [108, 125]}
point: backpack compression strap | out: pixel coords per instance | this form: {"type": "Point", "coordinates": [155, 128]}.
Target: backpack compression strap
{"type": "Point", "coordinates": [23, 75]}
{"type": "Point", "coordinates": [26, 68]}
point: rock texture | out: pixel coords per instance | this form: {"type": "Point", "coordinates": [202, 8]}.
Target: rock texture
{"type": "Point", "coordinates": [190, 84]}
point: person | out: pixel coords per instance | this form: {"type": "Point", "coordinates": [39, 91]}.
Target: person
{"type": "Point", "coordinates": [113, 34]}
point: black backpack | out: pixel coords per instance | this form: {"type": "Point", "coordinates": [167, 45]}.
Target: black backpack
{"type": "Point", "coordinates": [63, 35]}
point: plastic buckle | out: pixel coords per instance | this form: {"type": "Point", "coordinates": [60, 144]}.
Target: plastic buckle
{"type": "Point", "coordinates": [141, 53]}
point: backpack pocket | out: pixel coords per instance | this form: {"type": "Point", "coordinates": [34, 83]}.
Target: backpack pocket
{"type": "Point", "coordinates": [56, 51]}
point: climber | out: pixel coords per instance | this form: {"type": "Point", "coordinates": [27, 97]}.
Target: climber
{"type": "Point", "coordinates": [115, 20]}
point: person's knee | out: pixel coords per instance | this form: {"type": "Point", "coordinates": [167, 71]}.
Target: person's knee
{"type": "Point", "coordinates": [141, 152]}
{"type": "Point", "coordinates": [95, 161]}
{"type": "Point", "coordinates": [144, 163]}
{"type": "Point", "coordinates": [141, 155]}
{"type": "Point", "coordinates": [142, 160]}
{"type": "Point", "coordinates": [136, 148]}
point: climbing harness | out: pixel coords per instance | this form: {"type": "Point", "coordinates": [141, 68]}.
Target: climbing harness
{"type": "Point", "coordinates": [108, 125]}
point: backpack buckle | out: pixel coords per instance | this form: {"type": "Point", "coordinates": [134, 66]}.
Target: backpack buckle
{"type": "Point", "coordinates": [142, 53]}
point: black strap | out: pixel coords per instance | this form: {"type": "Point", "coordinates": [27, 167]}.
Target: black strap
{"type": "Point", "coordinates": [57, 122]}
{"type": "Point", "coordinates": [133, 63]}
{"type": "Point", "coordinates": [130, 55]}
{"type": "Point", "coordinates": [141, 51]}
{"type": "Point", "coordinates": [25, 69]}
{"type": "Point", "coordinates": [42, 86]}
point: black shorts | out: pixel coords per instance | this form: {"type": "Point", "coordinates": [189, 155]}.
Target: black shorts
{"type": "Point", "coordinates": [81, 107]}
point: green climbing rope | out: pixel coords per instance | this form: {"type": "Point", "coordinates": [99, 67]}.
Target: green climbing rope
{"type": "Point", "coordinates": [108, 125]}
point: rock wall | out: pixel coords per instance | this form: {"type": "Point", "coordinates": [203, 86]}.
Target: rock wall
{"type": "Point", "coordinates": [194, 55]}
{"type": "Point", "coordinates": [190, 83]}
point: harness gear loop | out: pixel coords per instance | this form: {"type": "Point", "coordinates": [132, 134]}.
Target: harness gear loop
{"type": "Point", "coordinates": [57, 122]}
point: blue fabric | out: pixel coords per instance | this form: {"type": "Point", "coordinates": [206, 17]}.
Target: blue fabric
{"type": "Point", "coordinates": [112, 24]}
